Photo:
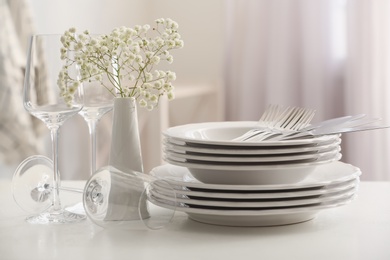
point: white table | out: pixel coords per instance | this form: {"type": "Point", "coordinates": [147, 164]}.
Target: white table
{"type": "Point", "coordinates": [360, 230]}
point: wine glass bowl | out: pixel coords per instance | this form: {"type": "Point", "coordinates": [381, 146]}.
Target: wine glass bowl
{"type": "Point", "coordinates": [97, 101]}
{"type": "Point", "coordinates": [53, 100]}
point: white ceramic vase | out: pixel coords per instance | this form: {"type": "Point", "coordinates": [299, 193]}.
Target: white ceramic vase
{"type": "Point", "coordinates": [125, 152]}
{"type": "Point", "coordinates": [125, 156]}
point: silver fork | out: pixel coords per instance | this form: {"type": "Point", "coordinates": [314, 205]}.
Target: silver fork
{"type": "Point", "coordinates": [294, 119]}
{"type": "Point", "coordinates": [274, 120]}
{"type": "Point", "coordinates": [336, 125]}
{"type": "Point", "coordinates": [269, 117]}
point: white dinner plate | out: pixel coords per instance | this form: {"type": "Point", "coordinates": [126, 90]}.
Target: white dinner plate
{"type": "Point", "coordinates": [266, 174]}
{"type": "Point", "coordinates": [257, 203]}
{"type": "Point", "coordinates": [264, 217]}
{"type": "Point", "coordinates": [181, 147]}
{"type": "Point", "coordinates": [327, 174]}
{"type": "Point", "coordinates": [292, 158]}
{"type": "Point", "coordinates": [242, 167]}
{"type": "Point", "coordinates": [185, 192]}
{"type": "Point", "coordinates": [222, 133]}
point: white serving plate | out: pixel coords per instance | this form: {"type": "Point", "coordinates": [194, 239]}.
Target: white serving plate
{"type": "Point", "coordinates": [324, 175]}
{"type": "Point", "coordinates": [291, 158]}
{"type": "Point", "coordinates": [222, 133]}
{"type": "Point", "coordinates": [265, 217]}
{"type": "Point", "coordinates": [185, 192]}
{"type": "Point", "coordinates": [280, 173]}
{"type": "Point", "coordinates": [182, 147]}
{"type": "Point", "coordinates": [258, 203]}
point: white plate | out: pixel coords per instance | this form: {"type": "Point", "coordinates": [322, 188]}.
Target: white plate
{"type": "Point", "coordinates": [182, 147]}
{"type": "Point", "coordinates": [265, 217]}
{"type": "Point", "coordinates": [292, 158]}
{"type": "Point", "coordinates": [327, 174]}
{"type": "Point", "coordinates": [182, 192]}
{"type": "Point", "coordinates": [259, 203]}
{"type": "Point", "coordinates": [221, 133]}
{"type": "Point", "coordinates": [280, 173]}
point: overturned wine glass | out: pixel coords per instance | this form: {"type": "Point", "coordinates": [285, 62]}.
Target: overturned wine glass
{"type": "Point", "coordinates": [111, 198]}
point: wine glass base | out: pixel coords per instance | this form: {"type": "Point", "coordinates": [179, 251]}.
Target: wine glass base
{"type": "Point", "coordinates": [56, 217]}
{"type": "Point", "coordinates": [78, 209]}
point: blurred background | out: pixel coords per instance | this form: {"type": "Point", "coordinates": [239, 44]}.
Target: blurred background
{"type": "Point", "coordinates": [238, 57]}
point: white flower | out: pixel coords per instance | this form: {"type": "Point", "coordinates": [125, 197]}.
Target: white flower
{"type": "Point", "coordinates": [155, 60]}
{"type": "Point", "coordinates": [153, 98]}
{"type": "Point", "coordinates": [171, 75]}
{"type": "Point", "coordinates": [160, 20]}
{"type": "Point", "coordinates": [175, 25]}
{"type": "Point", "coordinates": [127, 57]}
{"type": "Point", "coordinates": [171, 96]}
{"type": "Point", "coordinates": [179, 43]}
{"type": "Point", "coordinates": [167, 87]}
{"type": "Point", "coordinates": [137, 28]}
{"type": "Point", "coordinates": [169, 59]}
{"type": "Point", "coordinates": [157, 84]}
{"type": "Point", "coordinates": [146, 28]}
{"type": "Point", "coordinates": [148, 76]}
{"type": "Point", "coordinates": [138, 58]}
{"type": "Point", "coordinates": [143, 103]}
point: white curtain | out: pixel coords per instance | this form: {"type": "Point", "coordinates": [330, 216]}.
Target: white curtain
{"type": "Point", "coordinates": [330, 55]}
{"type": "Point", "coordinates": [280, 52]}
{"type": "Point", "coordinates": [368, 83]}
{"type": "Point", "coordinates": [18, 130]}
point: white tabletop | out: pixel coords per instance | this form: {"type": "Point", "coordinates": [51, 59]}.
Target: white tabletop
{"type": "Point", "coordinates": [359, 230]}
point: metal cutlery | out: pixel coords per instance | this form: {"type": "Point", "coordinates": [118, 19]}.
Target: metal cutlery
{"type": "Point", "coordinates": [276, 119]}
{"type": "Point", "coordinates": [333, 126]}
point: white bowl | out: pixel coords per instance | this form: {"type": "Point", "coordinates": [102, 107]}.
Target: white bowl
{"type": "Point", "coordinates": [253, 177]}
{"type": "Point", "coordinates": [252, 174]}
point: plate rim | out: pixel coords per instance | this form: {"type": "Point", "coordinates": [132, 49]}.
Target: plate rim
{"type": "Point", "coordinates": [284, 211]}
{"type": "Point", "coordinates": [261, 150]}
{"type": "Point", "coordinates": [355, 172]}
{"type": "Point", "coordinates": [259, 159]}
{"type": "Point", "coordinates": [177, 132]}
{"type": "Point", "coordinates": [266, 204]}
{"type": "Point", "coordinates": [202, 166]}
{"type": "Point", "coordinates": [219, 194]}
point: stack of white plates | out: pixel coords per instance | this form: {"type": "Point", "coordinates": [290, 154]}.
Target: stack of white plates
{"type": "Point", "coordinates": [225, 182]}
{"type": "Point", "coordinates": [209, 153]}
{"type": "Point", "coordinates": [329, 185]}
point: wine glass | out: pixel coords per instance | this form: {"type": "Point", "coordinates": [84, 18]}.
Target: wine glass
{"type": "Point", "coordinates": [111, 198]}
{"type": "Point", "coordinates": [44, 99]}
{"type": "Point", "coordinates": [128, 200]}
{"type": "Point", "coordinates": [97, 102]}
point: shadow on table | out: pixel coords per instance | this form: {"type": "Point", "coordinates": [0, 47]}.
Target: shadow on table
{"type": "Point", "coordinates": [184, 228]}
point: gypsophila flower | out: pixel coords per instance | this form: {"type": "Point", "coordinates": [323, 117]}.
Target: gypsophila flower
{"type": "Point", "coordinates": [126, 57]}
{"type": "Point", "coordinates": [171, 95]}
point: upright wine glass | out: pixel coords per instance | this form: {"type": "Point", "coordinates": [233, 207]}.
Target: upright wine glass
{"type": "Point", "coordinates": [97, 102]}
{"type": "Point", "coordinates": [44, 99]}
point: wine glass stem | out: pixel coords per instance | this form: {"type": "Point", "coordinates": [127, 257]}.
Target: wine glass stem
{"type": "Point", "coordinates": [92, 135]}
{"type": "Point", "coordinates": [54, 131]}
